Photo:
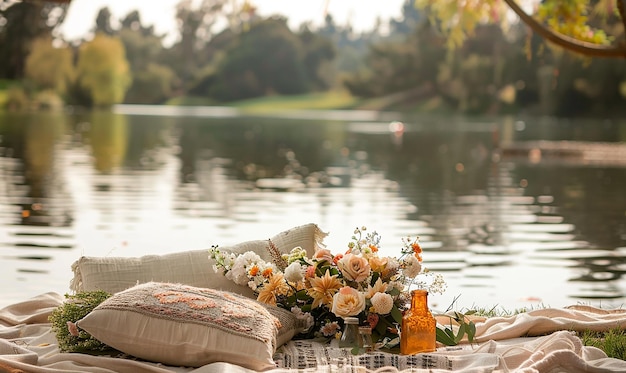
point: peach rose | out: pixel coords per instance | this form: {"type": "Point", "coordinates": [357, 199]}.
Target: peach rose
{"type": "Point", "coordinates": [323, 254]}
{"type": "Point", "coordinates": [354, 268]}
{"type": "Point", "coordinates": [310, 272]}
{"type": "Point", "coordinates": [348, 302]}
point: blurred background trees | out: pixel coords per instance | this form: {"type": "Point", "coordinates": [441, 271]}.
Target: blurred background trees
{"type": "Point", "coordinates": [102, 70]}
{"type": "Point", "coordinates": [433, 57]}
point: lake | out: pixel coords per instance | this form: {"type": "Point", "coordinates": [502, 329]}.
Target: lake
{"type": "Point", "coordinates": [509, 221]}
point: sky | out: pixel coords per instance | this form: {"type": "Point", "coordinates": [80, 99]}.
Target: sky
{"type": "Point", "coordinates": [362, 14]}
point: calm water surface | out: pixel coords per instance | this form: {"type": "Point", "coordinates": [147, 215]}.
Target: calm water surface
{"type": "Point", "coordinates": [506, 229]}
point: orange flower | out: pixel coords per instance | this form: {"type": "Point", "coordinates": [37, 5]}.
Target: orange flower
{"type": "Point", "coordinates": [267, 272]}
{"type": "Point", "coordinates": [337, 258]}
{"type": "Point", "coordinates": [275, 286]}
{"type": "Point", "coordinates": [377, 263]}
{"type": "Point", "coordinates": [254, 271]}
{"type": "Point", "coordinates": [323, 288]}
{"type": "Point", "coordinates": [374, 248]}
{"type": "Point", "coordinates": [416, 248]}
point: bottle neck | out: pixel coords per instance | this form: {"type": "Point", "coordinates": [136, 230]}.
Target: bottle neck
{"type": "Point", "coordinates": [419, 300]}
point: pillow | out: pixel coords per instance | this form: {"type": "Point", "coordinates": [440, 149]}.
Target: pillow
{"type": "Point", "coordinates": [182, 325]}
{"type": "Point", "coordinates": [113, 274]}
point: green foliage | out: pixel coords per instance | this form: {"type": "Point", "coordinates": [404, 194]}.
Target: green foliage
{"type": "Point", "coordinates": [318, 52]}
{"type": "Point", "coordinates": [103, 70]}
{"type": "Point", "coordinates": [400, 65]}
{"type": "Point", "coordinates": [580, 26]}
{"type": "Point", "coordinates": [267, 59]}
{"type": "Point", "coordinates": [572, 18]}
{"type": "Point", "coordinates": [612, 342]}
{"type": "Point", "coordinates": [189, 101]}
{"type": "Point", "coordinates": [21, 22]}
{"type": "Point", "coordinates": [47, 100]}
{"type": "Point", "coordinates": [16, 99]}
{"type": "Point", "coordinates": [73, 309]}
{"type": "Point", "coordinates": [458, 19]}
{"type": "Point", "coordinates": [467, 327]}
{"type": "Point", "coordinates": [151, 85]}
{"type": "Point", "coordinates": [326, 100]}
{"type": "Point", "coordinates": [49, 67]}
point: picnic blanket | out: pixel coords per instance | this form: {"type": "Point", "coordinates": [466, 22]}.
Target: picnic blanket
{"type": "Point", "coordinates": [537, 341]}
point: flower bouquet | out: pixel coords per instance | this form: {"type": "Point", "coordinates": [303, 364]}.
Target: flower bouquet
{"type": "Point", "coordinates": [326, 288]}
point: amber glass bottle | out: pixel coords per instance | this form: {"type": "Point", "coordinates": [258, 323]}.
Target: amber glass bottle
{"type": "Point", "coordinates": [419, 327]}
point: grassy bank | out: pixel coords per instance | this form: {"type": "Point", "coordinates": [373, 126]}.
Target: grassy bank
{"type": "Point", "coordinates": [332, 100]}
{"type": "Point", "coordinates": [409, 101]}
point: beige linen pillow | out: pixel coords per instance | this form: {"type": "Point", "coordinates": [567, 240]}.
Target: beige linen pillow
{"type": "Point", "coordinates": [113, 274]}
{"type": "Point", "coordinates": [182, 325]}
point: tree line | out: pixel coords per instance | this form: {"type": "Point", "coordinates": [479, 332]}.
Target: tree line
{"type": "Point", "coordinates": [226, 52]}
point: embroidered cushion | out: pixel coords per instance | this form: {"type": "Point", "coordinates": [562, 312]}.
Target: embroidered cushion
{"type": "Point", "coordinates": [182, 325]}
{"type": "Point", "coordinates": [113, 274]}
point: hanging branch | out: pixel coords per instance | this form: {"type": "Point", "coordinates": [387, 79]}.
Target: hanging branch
{"type": "Point", "coordinates": [572, 44]}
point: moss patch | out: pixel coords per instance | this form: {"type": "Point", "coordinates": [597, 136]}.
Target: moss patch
{"type": "Point", "coordinates": [73, 309]}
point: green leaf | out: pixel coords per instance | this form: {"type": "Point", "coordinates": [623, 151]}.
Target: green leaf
{"type": "Point", "coordinates": [381, 327]}
{"type": "Point", "coordinates": [461, 333]}
{"type": "Point", "coordinates": [450, 333]}
{"type": "Point", "coordinates": [396, 315]}
{"type": "Point", "coordinates": [471, 333]}
{"type": "Point", "coordinates": [375, 277]}
{"type": "Point", "coordinates": [443, 337]}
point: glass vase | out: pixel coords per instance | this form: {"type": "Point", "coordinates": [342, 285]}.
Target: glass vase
{"type": "Point", "coordinates": [419, 327]}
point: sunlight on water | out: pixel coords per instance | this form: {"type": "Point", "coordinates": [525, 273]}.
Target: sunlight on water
{"type": "Point", "coordinates": [503, 233]}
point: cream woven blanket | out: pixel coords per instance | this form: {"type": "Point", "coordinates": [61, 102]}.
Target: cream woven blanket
{"type": "Point", "coordinates": [537, 341]}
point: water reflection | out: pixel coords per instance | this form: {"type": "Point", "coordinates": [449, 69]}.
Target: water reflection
{"type": "Point", "coordinates": [503, 230]}
{"type": "Point", "coordinates": [107, 133]}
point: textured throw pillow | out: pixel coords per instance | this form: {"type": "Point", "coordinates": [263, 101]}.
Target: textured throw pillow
{"type": "Point", "coordinates": [113, 274]}
{"type": "Point", "coordinates": [181, 325]}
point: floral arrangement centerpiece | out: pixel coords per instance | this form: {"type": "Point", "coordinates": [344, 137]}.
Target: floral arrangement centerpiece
{"type": "Point", "coordinates": [328, 287]}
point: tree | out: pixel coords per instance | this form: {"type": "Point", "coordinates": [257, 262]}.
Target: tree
{"type": "Point", "coordinates": [152, 81]}
{"type": "Point", "coordinates": [103, 22]}
{"type": "Point", "coordinates": [319, 51]}
{"type": "Point", "coordinates": [410, 20]}
{"type": "Point", "coordinates": [196, 29]}
{"type": "Point", "coordinates": [267, 59]}
{"type": "Point", "coordinates": [49, 67]}
{"type": "Point", "coordinates": [579, 26]}
{"type": "Point", "coordinates": [21, 22]}
{"type": "Point", "coordinates": [102, 70]}
{"type": "Point", "coordinates": [151, 85]}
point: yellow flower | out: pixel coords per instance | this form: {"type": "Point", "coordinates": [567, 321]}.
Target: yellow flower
{"type": "Point", "coordinates": [323, 288]}
{"type": "Point", "coordinates": [275, 286]}
{"type": "Point", "coordinates": [377, 263]}
{"type": "Point", "coordinates": [379, 287]}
